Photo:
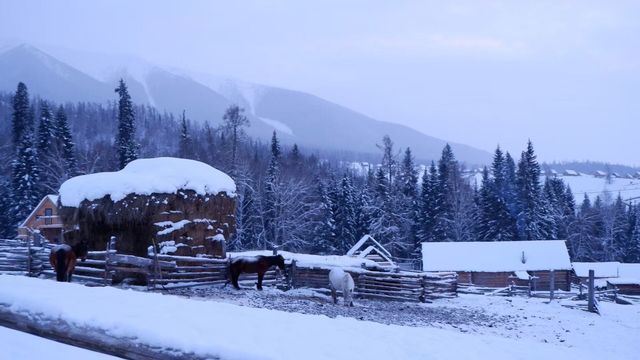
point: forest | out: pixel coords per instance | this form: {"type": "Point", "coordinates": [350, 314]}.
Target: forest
{"type": "Point", "coordinates": [294, 199]}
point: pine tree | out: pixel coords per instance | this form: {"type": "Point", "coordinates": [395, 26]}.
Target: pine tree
{"type": "Point", "coordinates": [620, 240]}
{"type": "Point", "coordinates": [427, 205]}
{"type": "Point", "coordinates": [186, 143]}
{"type": "Point", "coordinates": [25, 172]}
{"type": "Point", "coordinates": [7, 225]}
{"type": "Point", "coordinates": [442, 229]}
{"type": "Point", "coordinates": [533, 221]}
{"type": "Point", "coordinates": [47, 156]}
{"type": "Point", "coordinates": [408, 208]}
{"type": "Point", "coordinates": [344, 216]}
{"type": "Point", "coordinates": [271, 194]}
{"type": "Point", "coordinates": [22, 115]}
{"type": "Point", "coordinates": [127, 147]}
{"type": "Point", "coordinates": [64, 144]}
{"type": "Point", "coordinates": [324, 226]}
{"type": "Point", "coordinates": [46, 131]}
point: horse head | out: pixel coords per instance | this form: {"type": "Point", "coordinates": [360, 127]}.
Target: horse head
{"type": "Point", "coordinates": [279, 261]}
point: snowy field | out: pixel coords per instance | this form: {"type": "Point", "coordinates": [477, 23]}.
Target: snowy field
{"type": "Point", "coordinates": [17, 345]}
{"type": "Point", "coordinates": [249, 325]}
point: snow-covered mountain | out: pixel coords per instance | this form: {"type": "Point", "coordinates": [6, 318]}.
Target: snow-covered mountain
{"type": "Point", "coordinates": [297, 117]}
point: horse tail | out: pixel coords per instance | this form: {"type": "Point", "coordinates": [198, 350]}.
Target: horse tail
{"type": "Point", "coordinates": [61, 265]}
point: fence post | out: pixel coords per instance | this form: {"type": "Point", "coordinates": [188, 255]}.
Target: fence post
{"type": "Point", "coordinates": [294, 273]}
{"type": "Point", "coordinates": [111, 248]}
{"type": "Point", "coordinates": [28, 257]}
{"type": "Point", "coordinates": [552, 284]}
{"type": "Point", "coordinates": [591, 296]}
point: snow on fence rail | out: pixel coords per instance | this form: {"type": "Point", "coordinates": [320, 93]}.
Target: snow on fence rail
{"type": "Point", "coordinates": [109, 267]}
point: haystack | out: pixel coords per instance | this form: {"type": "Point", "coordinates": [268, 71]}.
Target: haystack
{"type": "Point", "coordinates": [152, 201]}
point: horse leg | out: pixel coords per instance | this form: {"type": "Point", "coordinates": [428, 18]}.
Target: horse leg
{"type": "Point", "coordinates": [235, 274]}
{"type": "Point", "coordinates": [334, 295]}
{"type": "Point", "coordinates": [71, 265]}
{"type": "Point", "coordinates": [260, 277]}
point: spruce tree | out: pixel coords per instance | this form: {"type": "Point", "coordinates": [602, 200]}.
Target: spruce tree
{"type": "Point", "coordinates": [344, 216]}
{"type": "Point", "coordinates": [186, 143]}
{"type": "Point", "coordinates": [46, 131]}
{"type": "Point", "coordinates": [127, 147]}
{"type": "Point", "coordinates": [444, 193]}
{"type": "Point", "coordinates": [22, 119]}
{"type": "Point", "coordinates": [64, 143]}
{"type": "Point", "coordinates": [427, 205]}
{"type": "Point", "coordinates": [271, 194]}
{"type": "Point", "coordinates": [48, 158]}
{"type": "Point", "coordinates": [25, 172]}
{"type": "Point", "coordinates": [533, 220]}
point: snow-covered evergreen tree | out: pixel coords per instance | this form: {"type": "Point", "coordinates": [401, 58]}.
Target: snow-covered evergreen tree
{"type": "Point", "coordinates": [534, 223]}
{"type": "Point", "coordinates": [344, 216]}
{"type": "Point", "coordinates": [26, 190]}
{"type": "Point", "coordinates": [126, 144]}
{"type": "Point", "coordinates": [271, 197]}
{"type": "Point", "coordinates": [185, 148]}
{"type": "Point", "coordinates": [65, 145]}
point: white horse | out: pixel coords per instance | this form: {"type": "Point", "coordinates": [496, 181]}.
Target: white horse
{"type": "Point", "coordinates": [341, 281]}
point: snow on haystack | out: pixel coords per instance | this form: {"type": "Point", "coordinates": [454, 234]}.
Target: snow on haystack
{"type": "Point", "coordinates": [162, 175]}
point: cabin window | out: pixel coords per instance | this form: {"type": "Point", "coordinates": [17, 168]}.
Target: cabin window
{"type": "Point", "coordinates": [48, 212]}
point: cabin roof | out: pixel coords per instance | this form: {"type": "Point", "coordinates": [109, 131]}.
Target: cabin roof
{"type": "Point", "coordinates": [601, 269]}
{"type": "Point", "coordinates": [51, 197]}
{"type": "Point", "coordinates": [496, 256]}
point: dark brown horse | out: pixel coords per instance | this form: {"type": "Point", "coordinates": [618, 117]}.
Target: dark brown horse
{"type": "Point", "coordinates": [63, 259]}
{"type": "Point", "coordinates": [253, 264]}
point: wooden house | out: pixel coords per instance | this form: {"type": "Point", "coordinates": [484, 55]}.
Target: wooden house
{"type": "Point", "coordinates": [154, 202]}
{"type": "Point", "coordinates": [502, 263]}
{"type": "Point", "coordinates": [44, 220]}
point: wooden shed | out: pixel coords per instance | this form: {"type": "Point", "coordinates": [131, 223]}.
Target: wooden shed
{"type": "Point", "coordinates": [153, 201]}
{"type": "Point", "coordinates": [502, 263]}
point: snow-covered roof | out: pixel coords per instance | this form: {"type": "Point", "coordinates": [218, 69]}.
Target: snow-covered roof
{"type": "Point", "coordinates": [601, 269]}
{"type": "Point", "coordinates": [624, 281]}
{"type": "Point", "coordinates": [162, 175]}
{"type": "Point", "coordinates": [495, 256]}
{"type": "Point", "coordinates": [571, 172]}
{"type": "Point", "coordinates": [629, 271]}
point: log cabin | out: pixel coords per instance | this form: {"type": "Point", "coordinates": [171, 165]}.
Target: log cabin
{"type": "Point", "coordinates": [498, 264]}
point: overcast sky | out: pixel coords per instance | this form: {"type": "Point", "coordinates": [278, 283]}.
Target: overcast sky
{"type": "Point", "coordinates": [564, 73]}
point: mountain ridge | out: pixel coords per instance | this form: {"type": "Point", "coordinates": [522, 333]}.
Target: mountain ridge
{"type": "Point", "coordinates": [297, 116]}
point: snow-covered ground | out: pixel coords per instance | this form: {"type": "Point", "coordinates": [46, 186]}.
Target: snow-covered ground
{"type": "Point", "coordinates": [506, 328]}
{"type": "Point", "coordinates": [17, 345]}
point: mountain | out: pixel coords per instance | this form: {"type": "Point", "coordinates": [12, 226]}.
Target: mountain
{"type": "Point", "coordinates": [298, 117]}
{"type": "Point", "coordinates": [48, 77]}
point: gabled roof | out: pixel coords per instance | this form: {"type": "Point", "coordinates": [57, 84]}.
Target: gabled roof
{"type": "Point", "coordinates": [496, 256]}
{"type": "Point", "coordinates": [54, 200]}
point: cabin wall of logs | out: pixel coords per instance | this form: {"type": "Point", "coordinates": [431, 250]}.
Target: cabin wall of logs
{"type": "Point", "coordinates": [157, 271]}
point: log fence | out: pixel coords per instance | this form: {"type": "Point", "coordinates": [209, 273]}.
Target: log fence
{"type": "Point", "coordinates": [160, 270]}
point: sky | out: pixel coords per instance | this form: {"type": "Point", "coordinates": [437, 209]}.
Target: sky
{"type": "Point", "coordinates": [565, 74]}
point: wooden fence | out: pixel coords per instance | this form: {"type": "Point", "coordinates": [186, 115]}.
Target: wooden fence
{"type": "Point", "coordinates": [402, 285]}
{"type": "Point", "coordinates": [109, 267]}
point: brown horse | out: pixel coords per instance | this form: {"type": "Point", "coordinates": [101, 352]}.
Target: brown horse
{"type": "Point", "coordinates": [63, 259]}
{"type": "Point", "coordinates": [253, 264]}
